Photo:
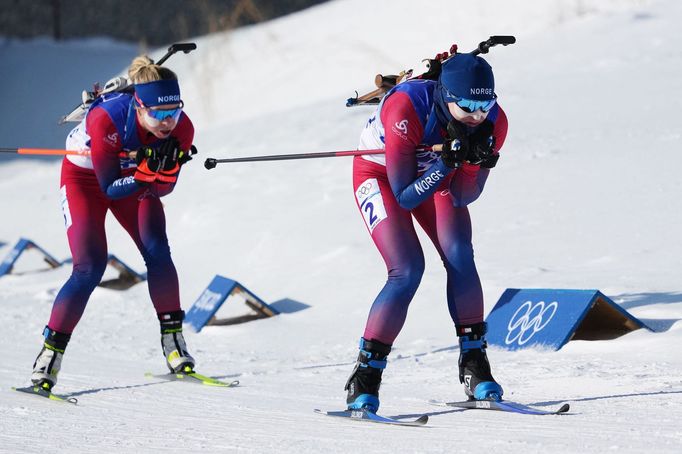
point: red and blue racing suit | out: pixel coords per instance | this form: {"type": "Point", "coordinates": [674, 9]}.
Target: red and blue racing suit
{"type": "Point", "coordinates": [93, 185]}
{"type": "Point", "coordinates": [404, 183]}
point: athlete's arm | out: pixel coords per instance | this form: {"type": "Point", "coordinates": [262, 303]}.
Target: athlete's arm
{"type": "Point", "coordinates": [404, 131]}
{"type": "Point", "coordinates": [105, 145]}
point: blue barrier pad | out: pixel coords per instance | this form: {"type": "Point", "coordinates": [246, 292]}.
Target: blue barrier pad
{"type": "Point", "coordinates": [551, 317]}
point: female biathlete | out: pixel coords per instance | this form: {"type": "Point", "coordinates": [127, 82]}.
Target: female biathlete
{"type": "Point", "coordinates": [459, 110]}
{"type": "Point", "coordinates": [150, 122]}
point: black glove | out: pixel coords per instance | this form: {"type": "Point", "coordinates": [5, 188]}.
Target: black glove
{"type": "Point", "coordinates": [482, 146]}
{"type": "Point", "coordinates": [456, 146]}
{"type": "Point", "coordinates": [187, 155]}
{"type": "Point", "coordinates": [174, 158]}
{"type": "Point", "coordinates": [171, 155]}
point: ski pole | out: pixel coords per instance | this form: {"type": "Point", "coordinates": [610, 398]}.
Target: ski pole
{"type": "Point", "coordinates": [56, 152]}
{"type": "Point", "coordinates": [210, 163]}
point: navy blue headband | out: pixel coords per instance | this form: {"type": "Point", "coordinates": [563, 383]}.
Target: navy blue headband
{"type": "Point", "coordinates": [158, 92]}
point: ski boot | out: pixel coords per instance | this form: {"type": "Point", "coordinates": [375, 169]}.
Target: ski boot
{"type": "Point", "coordinates": [173, 342]}
{"type": "Point", "coordinates": [365, 380]}
{"type": "Point", "coordinates": [474, 368]}
{"type": "Point", "coordinates": [49, 360]}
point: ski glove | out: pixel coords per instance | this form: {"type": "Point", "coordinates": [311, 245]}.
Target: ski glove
{"type": "Point", "coordinates": [477, 148]}
{"type": "Point", "coordinates": [162, 164]}
{"type": "Point", "coordinates": [171, 152]}
{"type": "Point", "coordinates": [482, 146]}
{"type": "Point", "coordinates": [149, 161]}
{"type": "Point", "coordinates": [174, 158]}
{"type": "Point", "coordinates": [456, 146]}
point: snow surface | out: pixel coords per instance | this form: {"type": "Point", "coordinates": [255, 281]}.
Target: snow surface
{"type": "Point", "coordinates": [586, 195]}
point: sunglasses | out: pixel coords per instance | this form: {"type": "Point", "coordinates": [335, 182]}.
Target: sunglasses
{"type": "Point", "coordinates": [470, 105]}
{"type": "Point", "coordinates": [162, 114]}
{"type": "Point", "coordinates": [154, 117]}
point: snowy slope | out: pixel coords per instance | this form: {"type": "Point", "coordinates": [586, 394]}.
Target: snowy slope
{"type": "Point", "coordinates": [585, 196]}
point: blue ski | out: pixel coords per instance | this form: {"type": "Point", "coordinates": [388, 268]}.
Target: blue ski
{"type": "Point", "coordinates": [193, 377]}
{"type": "Point", "coordinates": [368, 416]}
{"type": "Point", "coordinates": [46, 393]}
{"type": "Point", "coordinates": [502, 405]}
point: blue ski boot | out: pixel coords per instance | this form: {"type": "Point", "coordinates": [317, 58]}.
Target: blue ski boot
{"type": "Point", "coordinates": [49, 360]}
{"type": "Point", "coordinates": [474, 368]}
{"type": "Point", "coordinates": [365, 380]}
{"type": "Point", "coordinates": [173, 342]}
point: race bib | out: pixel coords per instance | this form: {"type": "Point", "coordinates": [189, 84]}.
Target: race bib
{"type": "Point", "coordinates": [371, 203]}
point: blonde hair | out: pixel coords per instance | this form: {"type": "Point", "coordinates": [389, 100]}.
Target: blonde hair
{"type": "Point", "coordinates": [143, 69]}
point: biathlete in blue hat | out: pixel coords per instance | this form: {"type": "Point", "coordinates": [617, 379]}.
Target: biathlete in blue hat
{"type": "Point", "coordinates": [150, 122]}
{"type": "Point", "coordinates": [460, 111]}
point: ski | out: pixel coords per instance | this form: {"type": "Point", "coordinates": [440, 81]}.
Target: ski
{"type": "Point", "coordinates": [193, 377]}
{"type": "Point", "coordinates": [368, 416]}
{"type": "Point", "coordinates": [46, 393]}
{"type": "Point", "coordinates": [502, 405]}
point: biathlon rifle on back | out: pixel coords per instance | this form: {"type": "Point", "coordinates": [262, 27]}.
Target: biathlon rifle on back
{"type": "Point", "coordinates": [386, 83]}
{"type": "Point", "coordinates": [119, 84]}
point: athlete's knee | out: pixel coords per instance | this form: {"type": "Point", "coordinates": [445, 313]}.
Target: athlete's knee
{"type": "Point", "coordinates": [156, 252]}
{"type": "Point", "coordinates": [408, 275]}
{"type": "Point", "coordinates": [88, 274]}
{"type": "Point", "coordinates": [459, 255]}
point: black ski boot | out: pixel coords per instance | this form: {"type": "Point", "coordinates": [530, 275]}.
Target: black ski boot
{"type": "Point", "coordinates": [49, 360]}
{"type": "Point", "coordinates": [173, 342]}
{"type": "Point", "coordinates": [474, 368]}
{"type": "Point", "coordinates": [365, 380]}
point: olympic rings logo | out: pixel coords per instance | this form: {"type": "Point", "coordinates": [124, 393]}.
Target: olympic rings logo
{"type": "Point", "coordinates": [365, 188]}
{"type": "Point", "coordinates": [528, 320]}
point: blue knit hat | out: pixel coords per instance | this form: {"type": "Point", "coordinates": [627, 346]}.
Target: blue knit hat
{"type": "Point", "coordinates": [467, 76]}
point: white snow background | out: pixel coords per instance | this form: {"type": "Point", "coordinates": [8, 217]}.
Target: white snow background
{"type": "Point", "coordinates": [586, 195]}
